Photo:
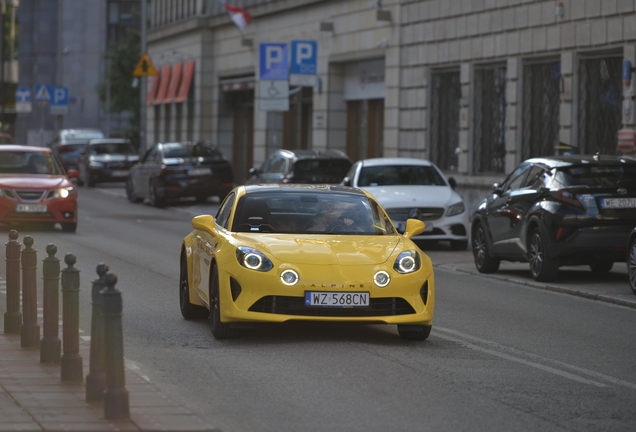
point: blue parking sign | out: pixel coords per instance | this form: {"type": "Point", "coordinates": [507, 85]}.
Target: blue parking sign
{"type": "Point", "coordinates": [273, 64]}
{"type": "Point", "coordinates": [304, 57]}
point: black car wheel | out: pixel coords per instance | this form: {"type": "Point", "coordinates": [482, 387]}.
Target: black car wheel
{"type": "Point", "coordinates": [219, 329]}
{"type": "Point", "coordinates": [188, 310]}
{"type": "Point", "coordinates": [130, 192]}
{"type": "Point", "coordinates": [602, 266]}
{"type": "Point", "coordinates": [631, 264]}
{"type": "Point", "coordinates": [409, 333]}
{"type": "Point", "coordinates": [542, 268]}
{"type": "Point", "coordinates": [155, 196]}
{"type": "Point", "coordinates": [483, 261]}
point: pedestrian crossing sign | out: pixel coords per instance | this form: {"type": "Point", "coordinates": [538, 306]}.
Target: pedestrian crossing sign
{"type": "Point", "coordinates": [144, 67]}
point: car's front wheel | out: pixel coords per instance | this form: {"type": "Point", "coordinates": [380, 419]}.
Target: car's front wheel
{"type": "Point", "coordinates": [542, 268]}
{"type": "Point", "coordinates": [483, 261]}
{"type": "Point", "coordinates": [188, 310]}
{"type": "Point", "coordinates": [413, 332]}
{"type": "Point", "coordinates": [219, 330]}
{"type": "Point", "coordinates": [631, 264]}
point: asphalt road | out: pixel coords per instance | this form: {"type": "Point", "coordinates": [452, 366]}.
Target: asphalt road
{"type": "Point", "coordinates": [501, 356]}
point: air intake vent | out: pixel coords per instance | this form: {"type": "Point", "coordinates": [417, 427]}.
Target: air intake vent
{"type": "Point", "coordinates": [286, 305]}
{"type": "Point", "coordinates": [30, 194]}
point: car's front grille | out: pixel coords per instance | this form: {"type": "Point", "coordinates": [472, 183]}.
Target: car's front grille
{"type": "Point", "coordinates": [286, 305]}
{"type": "Point", "coordinates": [426, 213]}
{"type": "Point", "coordinates": [118, 165]}
{"type": "Point", "coordinates": [30, 194]}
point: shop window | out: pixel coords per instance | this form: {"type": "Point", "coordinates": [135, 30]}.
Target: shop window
{"type": "Point", "coordinates": [490, 120]}
{"type": "Point", "coordinates": [446, 93]}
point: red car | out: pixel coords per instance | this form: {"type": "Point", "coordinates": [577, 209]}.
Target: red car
{"type": "Point", "coordinates": [35, 188]}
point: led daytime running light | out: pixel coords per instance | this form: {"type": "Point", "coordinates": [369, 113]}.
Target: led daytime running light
{"type": "Point", "coordinates": [381, 278]}
{"type": "Point", "coordinates": [289, 277]}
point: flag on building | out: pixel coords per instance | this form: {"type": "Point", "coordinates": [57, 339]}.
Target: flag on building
{"type": "Point", "coordinates": [239, 15]}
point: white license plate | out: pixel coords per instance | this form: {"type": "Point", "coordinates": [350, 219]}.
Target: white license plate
{"type": "Point", "coordinates": [618, 203]}
{"type": "Point", "coordinates": [119, 173]}
{"type": "Point", "coordinates": [199, 171]}
{"type": "Point", "coordinates": [30, 208]}
{"type": "Point", "coordinates": [336, 299]}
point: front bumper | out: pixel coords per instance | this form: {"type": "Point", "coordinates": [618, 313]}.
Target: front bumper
{"type": "Point", "coordinates": [62, 210]}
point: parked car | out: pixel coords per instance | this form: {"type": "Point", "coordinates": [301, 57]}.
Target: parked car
{"type": "Point", "coordinates": [302, 166]}
{"type": "Point", "coordinates": [67, 144]}
{"type": "Point", "coordinates": [269, 265]}
{"type": "Point", "coordinates": [170, 171]}
{"type": "Point", "coordinates": [106, 160]}
{"type": "Point", "coordinates": [556, 211]}
{"type": "Point", "coordinates": [631, 260]}
{"type": "Point", "coordinates": [35, 188]}
{"type": "Point", "coordinates": [414, 188]}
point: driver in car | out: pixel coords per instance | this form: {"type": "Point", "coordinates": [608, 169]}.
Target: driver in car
{"type": "Point", "coordinates": [332, 217]}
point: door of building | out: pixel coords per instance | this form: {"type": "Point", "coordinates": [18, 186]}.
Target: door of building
{"type": "Point", "coordinates": [243, 144]}
{"type": "Point", "coordinates": [365, 128]}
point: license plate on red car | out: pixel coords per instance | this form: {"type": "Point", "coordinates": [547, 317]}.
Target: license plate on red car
{"type": "Point", "coordinates": [336, 299]}
{"type": "Point", "coordinates": [618, 203]}
{"type": "Point", "coordinates": [30, 208]}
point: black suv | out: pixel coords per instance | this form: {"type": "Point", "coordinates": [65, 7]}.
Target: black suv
{"type": "Point", "coordinates": [106, 160]}
{"type": "Point", "coordinates": [302, 166]}
{"type": "Point", "coordinates": [557, 211]}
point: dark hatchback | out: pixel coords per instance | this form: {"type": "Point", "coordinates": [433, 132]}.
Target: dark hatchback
{"type": "Point", "coordinates": [558, 211]}
{"type": "Point", "coordinates": [302, 166]}
{"type": "Point", "coordinates": [170, 171]}
{"type": "Point", "coordinates": [106, 160]}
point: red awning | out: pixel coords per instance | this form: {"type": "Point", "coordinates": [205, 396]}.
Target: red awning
{"type": "Point", "coordinates": [163, 87]}
{"type": "Point", "coordinates": [174, 82]}
{"type": "Point", "coordinates": [153, 88]}
{"type": "Point", "coordinates": [188, 73]}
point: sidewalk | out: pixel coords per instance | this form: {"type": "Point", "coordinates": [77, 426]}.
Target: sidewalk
{"type": "Point", "coordinates": [33, 398]}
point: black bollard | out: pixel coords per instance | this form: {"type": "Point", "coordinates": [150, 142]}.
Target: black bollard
{"type": "Point", "coordinates": [30, 331]}
{"type": "Point", "coordinates": [115, 395]}
{"type": "Point", "coordinates": [51, 345]}
{"type": "Point", "coordinates": [13, 316]}
{"type": "Point", "coordinates": [72, 369]}
{"type": "Point", "coordinates": [95, 377]}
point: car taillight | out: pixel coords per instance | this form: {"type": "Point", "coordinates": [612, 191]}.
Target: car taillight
{"type": "Point", "coordinates": [569, 196]}
{"type": "Point", "coordinates": [65, 149]}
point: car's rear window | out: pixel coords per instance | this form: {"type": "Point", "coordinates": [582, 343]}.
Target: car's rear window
{"type": "Point", "coordinates": [17, 162]}
{"type": "Point", "coordinates": [310, 213]}
{"type": "Point", "coordinates": [321, 167]}
{"type": "Point", "coordinates": [398, 175]}
{"type": "Point", "coordinates": [597, 175]}
{"type": "Point", "coordinates": [83, 135]}
{"type": "Point", "coordinates": [112, 148]}
{"type": "Point", "coordinates": [179, 150]}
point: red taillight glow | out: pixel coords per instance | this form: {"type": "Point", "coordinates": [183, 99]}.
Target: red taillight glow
{"type": "Point", "coordinates": [559, 232]}
{"type": "Point", "coordinates": [65, 149]}
{"type": "Point", "coordinates": [567, 195]}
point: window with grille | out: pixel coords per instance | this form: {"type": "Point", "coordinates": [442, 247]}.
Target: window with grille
{"type": "Point", "coordinates": [446, 93]}
{"type": "Point", "coordinates": [490, 120]}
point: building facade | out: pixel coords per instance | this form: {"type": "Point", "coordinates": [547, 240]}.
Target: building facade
{"type": "Point", "coordinates": [476, 86]}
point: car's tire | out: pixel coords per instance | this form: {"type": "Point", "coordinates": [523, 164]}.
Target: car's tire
{"type": "Point", "coordinates": [458, 245]}
{"type": "Point", "coordinates": [602, 267]}
{"type": "Point", "coordinates": [130, 192]}
{"type": "Point", "coordinates": [481, 253]}
{"type": "Point", "coordinates": [219, 329]}
{"type": "Point", "coordinates": [69, 226]}
{"type": "Point", "coordinates": [155, 199]}
{"type": "Point", "coordinates": [407, 332]}
{"type": "Point", "coordinates": [631, 264]}
{"type": "Point", "coordinates": [542, 268]}
{"type": "Point", "coordinates": [188, 310]}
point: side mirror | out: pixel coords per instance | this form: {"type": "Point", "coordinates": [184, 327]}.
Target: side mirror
{"type": "Point", "coordinates": [452, 182]}
{"type": "Point", "coordinates": [204, 223]}
{"type": "Point", "coordinates": [346, 181]}
{"type": "Point", "coordinates": [413, 228]}
{"type": "Point", "coordinates": [72, 173]}
{"type": "Point", "coordinates": [253, 171]}
{"type": "Point", "coordinates": [496, 188]}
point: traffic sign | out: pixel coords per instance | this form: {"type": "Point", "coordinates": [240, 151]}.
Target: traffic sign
{"type": "Point", "coordinates": [43, 92]}
{"type": "Point", "coordinates": [303, 63]}
{"type": "Point", "coordinates": [273, 65]}
{"type": "Point", "coordinates": [23, 100]}
{"type": "Point", "coordinates": [274, 95]}
{"type": "Point", "coordinates": [144, 67]}
{"type": "Point", "coordinates": [59, 101]}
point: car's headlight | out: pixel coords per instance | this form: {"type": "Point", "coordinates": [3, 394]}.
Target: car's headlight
{"type": "Point", "coordinates": [253, 259]}
{"type": "Point", "coordinates": [407, 262]}
{"type": "Point", "coordinates": [95, 164]}
{"type": "Point", "coordinates": [456, 209]}
{"type": "Point", "coordinates": [289, 277]}
{"type": "Point", "coordinates": [381, 278]}
{"type": "Point", "coordinates": [65, 192]}
{"type": "Point", "coordinates": [7, 193]}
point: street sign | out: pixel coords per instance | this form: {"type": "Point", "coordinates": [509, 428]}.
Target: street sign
{"type": "Point", "coordinates": [59, 101]}
{"type": "Point", "coordinates": [43, 92]}
{"type": "Point", "coordinates": [23, 100]}
{"type": "Point", "coordinates": [273, 65]}
{"type": "Point", "coordinates": [274, 95]}
{"type": "Point", "coordinates": [144, 67]}
{"type": "Point", "coordinates": [304, 56]}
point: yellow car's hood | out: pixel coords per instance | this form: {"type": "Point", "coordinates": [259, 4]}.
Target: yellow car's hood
{"type": "Point", "coordinates": [323, 250]}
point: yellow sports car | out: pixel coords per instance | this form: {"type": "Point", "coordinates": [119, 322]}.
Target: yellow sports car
{"type": "Point", "coordinates": [277, 253]}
